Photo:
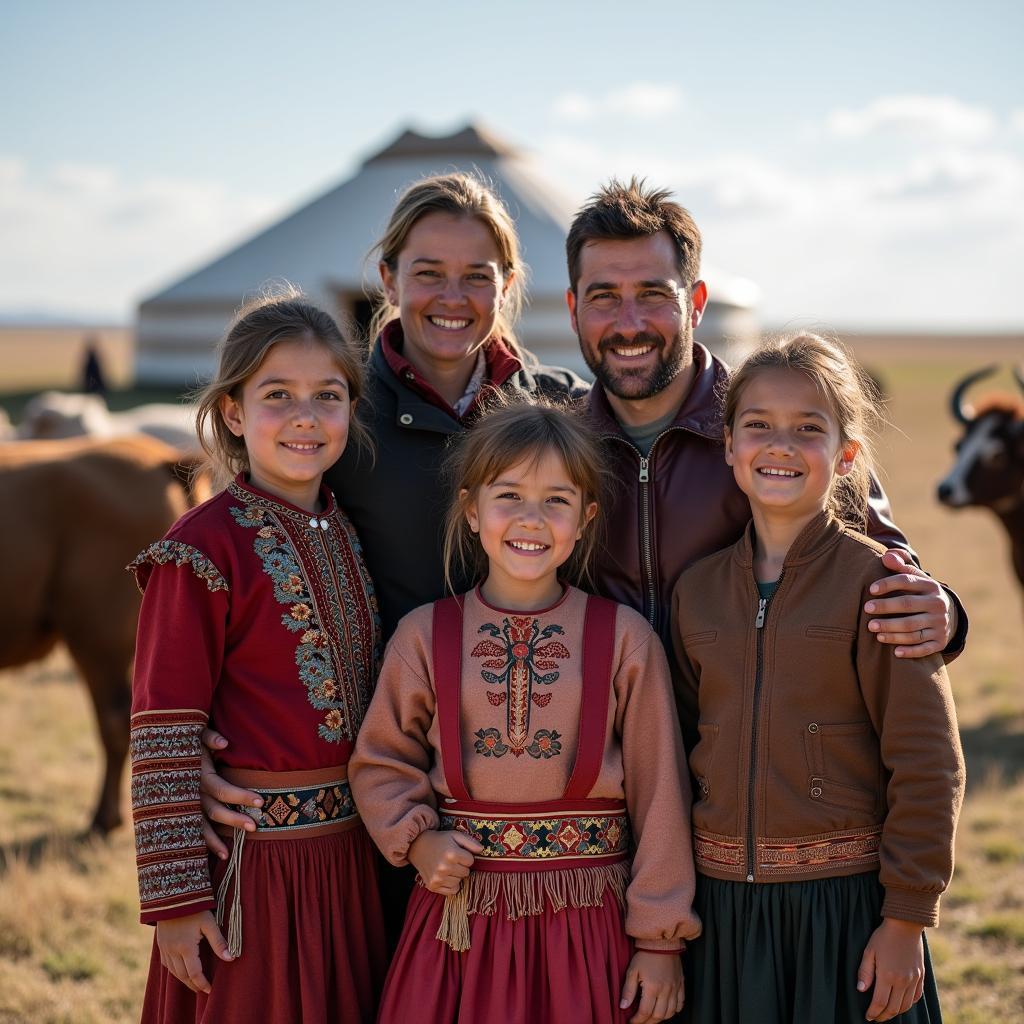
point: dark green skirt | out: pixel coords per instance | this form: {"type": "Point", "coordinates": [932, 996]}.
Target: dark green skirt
{"type": "Point", "coordinates": [788, 953]}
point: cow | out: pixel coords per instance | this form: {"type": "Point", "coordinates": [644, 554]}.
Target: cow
{"type": "Point", "coordinates": [989, 467]}
{"type": "Point", "coordinates": [72, 515]}
{"type": "Point", "coordinates": [56, 414]}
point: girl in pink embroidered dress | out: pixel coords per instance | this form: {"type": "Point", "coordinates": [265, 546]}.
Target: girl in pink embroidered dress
{"type": "Point", "coordinates": [519, 735]}
{"type": "Point", "coordinates": [258, 615]}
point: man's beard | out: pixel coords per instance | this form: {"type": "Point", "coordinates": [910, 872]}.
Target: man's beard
{"type": "Point", "coordinates": [642, 382]}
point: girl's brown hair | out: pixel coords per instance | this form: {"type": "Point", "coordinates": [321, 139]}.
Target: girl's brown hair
{"type": "Point", "coordinates": [507, 434]}
{"type": "Point", "coordinates": [462, 195]}
{"type": "Point", "coordinates": [852, 395]}
{"type": "Point", "coordinates": [259, 325]}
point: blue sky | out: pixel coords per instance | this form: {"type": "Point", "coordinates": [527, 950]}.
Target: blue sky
{"type": "Point", "coordinates": [864, 164]}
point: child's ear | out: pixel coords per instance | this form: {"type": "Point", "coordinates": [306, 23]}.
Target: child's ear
{"type": "Point", "coordinates": [472, 515]}
{"type": "Point", "coordinates": [231, 414]}
{"type": "Point", "coordinates": [728, 447]}
{"type": "Point", "coordinates": [588, 517]}
{"type": "Point", "coordinates": [847, 457]}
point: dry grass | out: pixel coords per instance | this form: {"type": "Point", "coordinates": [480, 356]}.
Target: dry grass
{"type": "Point", "coordinates": [70, 947]}
{"type": "Point", "coordinates": [51, 357]}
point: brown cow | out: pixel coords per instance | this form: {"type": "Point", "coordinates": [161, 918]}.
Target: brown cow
{"type": "Point", "coordinates": [72, 515]}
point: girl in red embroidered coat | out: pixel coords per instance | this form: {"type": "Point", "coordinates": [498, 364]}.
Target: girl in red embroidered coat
{"type": "Point", "coordinates": [258, 615]}
{"type": "Point", "coordinates": [522, 753]}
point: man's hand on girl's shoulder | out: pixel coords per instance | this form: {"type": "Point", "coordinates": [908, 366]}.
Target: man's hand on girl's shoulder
{"type": "Point", "coordinates": [924, 619]}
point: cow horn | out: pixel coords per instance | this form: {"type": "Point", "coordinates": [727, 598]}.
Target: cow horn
{"type": "Point", "coordinates": [956, 401]}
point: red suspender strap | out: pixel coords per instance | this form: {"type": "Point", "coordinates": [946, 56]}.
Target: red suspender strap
{"type": "Point", "coordinates": [598, 647]}
{"type": "Point", "coordinates": [447, 651]}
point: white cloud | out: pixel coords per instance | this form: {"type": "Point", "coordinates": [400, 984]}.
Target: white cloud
{"type": "Point", "coordinates": [1017, 121]}
{"type": "Point", "coordinates": [83, 237]}
{"type": "Point", "coordinates": [886, 244]}
{"type": "Point", "coordinates": [916, 116]}
{"type": "Point", "coordinates": [643, 100]}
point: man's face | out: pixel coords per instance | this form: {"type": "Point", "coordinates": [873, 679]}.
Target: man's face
{"type": "Point", "coordinates": [633, 316]}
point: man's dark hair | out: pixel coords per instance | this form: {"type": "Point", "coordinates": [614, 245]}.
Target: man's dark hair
{"type": "Point", "coordinates": [621, 212]}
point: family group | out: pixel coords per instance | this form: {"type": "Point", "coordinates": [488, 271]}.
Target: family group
{"type": "Point", "coordinates": [637, 687]}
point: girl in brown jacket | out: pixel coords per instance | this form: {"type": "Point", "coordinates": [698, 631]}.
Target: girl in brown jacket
{"type": "Point", "coordinates": [829, 771]}
{"type": "Point", "coordinates": [522, 753]}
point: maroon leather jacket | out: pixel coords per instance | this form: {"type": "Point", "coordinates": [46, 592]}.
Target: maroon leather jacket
{"type": "Point", "coordinates": [682, 502]}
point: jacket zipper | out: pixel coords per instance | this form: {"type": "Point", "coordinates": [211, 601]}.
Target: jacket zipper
{"type": "Point", "coordinates": [646, 532]}
{"type": "Point", "coordinates": [762, 610]}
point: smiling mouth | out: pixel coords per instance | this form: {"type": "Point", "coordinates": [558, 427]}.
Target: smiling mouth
{"type": "Point", "coordinates": [449, 324]}
{"type": "Point", "coordinates": [632, 351]}
{"type": "Point", "coordinates": [530, 547]}
{"type": "Point", "coordinates": [775, 471]}
{"type": "Point", "coordinates": [302, 446]}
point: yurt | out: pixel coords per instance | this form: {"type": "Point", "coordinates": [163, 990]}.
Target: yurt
{"type": "Point", "coordinates": [322, 247]}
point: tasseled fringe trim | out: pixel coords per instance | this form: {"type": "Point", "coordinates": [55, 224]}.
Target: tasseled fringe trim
{"type": "Point", "coordinates": [234, 914]}
{"type": "Point", "coordinates": [525, 893]}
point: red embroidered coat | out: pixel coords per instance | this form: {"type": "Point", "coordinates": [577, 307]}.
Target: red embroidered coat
{"type": "Point", "coordinates": [519, 711]}
{"type": "Point", "coordinates": [261, 619]}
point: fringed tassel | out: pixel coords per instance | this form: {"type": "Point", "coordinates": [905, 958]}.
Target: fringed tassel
{"type": "Point", "coordinates": [234, 914]}
{"type": "Point", "coordinates": [454, 928]}
{"type": "Point", "coordinates": [525, 893]}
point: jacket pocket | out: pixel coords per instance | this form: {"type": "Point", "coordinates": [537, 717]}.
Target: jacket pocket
{"type": "Point", "coordinates": [830, 633]}
{"type": "Point", "coordinates": [843, 765]}
{"type": "Point", "coordinates": [708, 636]}
{"type": "Point", "coordinates": [702, 756]}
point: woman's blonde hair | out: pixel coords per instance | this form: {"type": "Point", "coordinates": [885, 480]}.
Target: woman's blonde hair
{"type": "Point", "coordinates": [462, 195]}
{"type": "Point", "coordinates": [283, 315]}
{"type": "Point", "coordinates": [507, 434]}
{"type": "Point", "coordinates": [851, 393]}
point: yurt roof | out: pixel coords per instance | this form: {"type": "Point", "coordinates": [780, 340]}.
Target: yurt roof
{"type": "Point", "coordinates": [325, 242]}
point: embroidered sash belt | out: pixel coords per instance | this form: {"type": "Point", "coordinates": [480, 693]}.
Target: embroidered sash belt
{"type": "Point", "coordinates": [530, 837]}
{"type": "Point", "coordinates": [296, 805]}
{"type": "Point", "coordinates": [558, 853]}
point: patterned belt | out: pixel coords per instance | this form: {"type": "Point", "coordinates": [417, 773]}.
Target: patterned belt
{"type": "Point", "coordinates": [297, 804]}
{"type": "Point", "coordinates": [557, 834]}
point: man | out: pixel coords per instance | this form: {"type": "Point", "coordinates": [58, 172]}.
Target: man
{"type": "Point", "coordinates": [635, 297]}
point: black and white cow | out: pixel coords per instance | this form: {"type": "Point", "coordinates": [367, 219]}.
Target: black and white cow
{"type": "Point", "coordinates": [989, 467]}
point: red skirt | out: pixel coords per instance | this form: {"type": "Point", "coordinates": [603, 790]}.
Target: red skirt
{"type": "Point", "coordinates": [313, 944]}
{"type": "Point", "coordinates": [565, 966]}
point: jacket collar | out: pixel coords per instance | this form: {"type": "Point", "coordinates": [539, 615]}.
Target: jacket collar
{"type": "Point", "coordinates": [701, 411]}
{"type": "Point", "coordinates": [817, 537]}
{"type": "Point", "coordinates": [502, 363]}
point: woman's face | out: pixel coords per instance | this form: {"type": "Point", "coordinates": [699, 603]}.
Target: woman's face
{"type": "Point", "coordinates": [448, 287]}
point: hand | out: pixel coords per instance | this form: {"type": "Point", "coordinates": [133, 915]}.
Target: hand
{"type": "Point", "coordinates": [660, 980]}
{"type": "Point", "coordinates": [178, 941]}
{"type": "Point", "coordinates": [928, 621]}
{"type": "Point", "coordinates": [214, 793]}
{"type": "Point", "coordinates": [894, 961]}
{"type": "Point", "coordinates": [443, 859]}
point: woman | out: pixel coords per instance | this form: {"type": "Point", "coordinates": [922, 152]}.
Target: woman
{"type": "Point", "coordinates": [452, 279]}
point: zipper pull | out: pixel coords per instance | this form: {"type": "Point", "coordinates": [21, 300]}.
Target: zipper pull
{"type": "Point", "coordinates": [761, 605]}
{"type": "Point", "coordinates": [645, 476]}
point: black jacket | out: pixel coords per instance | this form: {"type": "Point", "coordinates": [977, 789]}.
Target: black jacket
{"type": "Point", "coordinates": [397, 502]}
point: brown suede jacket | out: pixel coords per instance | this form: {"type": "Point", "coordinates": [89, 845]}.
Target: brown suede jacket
{"type": "Point", "coordinates": [819, 753]}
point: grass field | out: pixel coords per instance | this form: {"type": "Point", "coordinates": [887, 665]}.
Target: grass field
{"type": "Point", "coordinates": [71, 949]}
